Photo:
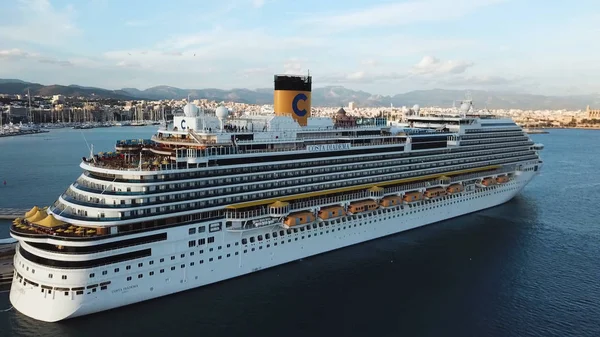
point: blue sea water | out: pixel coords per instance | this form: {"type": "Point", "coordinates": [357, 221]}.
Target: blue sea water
{"type": "Point", "coordinates": [525, 268]}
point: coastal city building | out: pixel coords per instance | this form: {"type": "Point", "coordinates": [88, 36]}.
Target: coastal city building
{"type": "Point", "coordinates": [61, 109]}
{"type": "Point", "coordinates": [592, 114]}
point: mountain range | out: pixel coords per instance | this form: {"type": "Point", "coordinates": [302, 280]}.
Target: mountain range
{"type": "Point", "coordinates": [323, 96]}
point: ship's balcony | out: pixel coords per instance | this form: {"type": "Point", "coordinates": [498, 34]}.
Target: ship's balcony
{"type": "Point", "coordinates": [107, 191]}
{"type": "Point", "coordinates": [328, 201]}
{"type": "Point", "coordinates": [232, 215]}
{"type": "Point", "coordinates": [130, 162]}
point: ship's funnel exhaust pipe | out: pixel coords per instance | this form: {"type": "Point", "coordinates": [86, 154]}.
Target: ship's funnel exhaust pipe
{"type": "Point", "coordinates": [292, 97]}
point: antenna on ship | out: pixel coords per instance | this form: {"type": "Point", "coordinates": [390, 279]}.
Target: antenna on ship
{"type": "Point", "coordinates": [29, 115]}
{"type": "Point", "coordinates": [92, 152]}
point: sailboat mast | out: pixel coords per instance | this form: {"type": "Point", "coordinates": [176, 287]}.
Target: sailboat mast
{"type": "Point", "coordinates": [30, 116]}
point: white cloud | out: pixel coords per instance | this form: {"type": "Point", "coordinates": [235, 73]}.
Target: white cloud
{"type": "Point", "coordinates": [485, 80]}
{"type": "Point", "coordinates": [39, 22]}
{"type": "Point", "coordinates": [21, 55]}
{"type": "Point", "coordinates": [235, 41]}
{"type": "Point", "coordinates": [13, 54]}
{"type": "Point", "coordinates": [128, 64]}
{"type": "Point", "coordinates": [430, 65]}
{"type": "Point", "coordinates": [370, 62]}
{"type": "Point", "coordinates": [362, 77]}
{"type": "Point", "coordinates": [388, 48]}
{"type": "Point", "coordinates": [403, 13]}
{"type": "Point", "coordinates": [293, 67]}
{"type": "Point", "coordinates": [382, 55]}
{"type": "Point", "coordinates": [53, 61]}
{"type": "Point", "coordinates": [252, 72]}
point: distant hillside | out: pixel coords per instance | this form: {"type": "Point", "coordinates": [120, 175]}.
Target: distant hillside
{"type": "Point", "coordinates": [236, 95]}
{"type": "Point", "coordinates": [324, 96]}
{"type": "Point", "coordinates": [36, 89]}
{"type": "Point", "coordinates": [8, 80]}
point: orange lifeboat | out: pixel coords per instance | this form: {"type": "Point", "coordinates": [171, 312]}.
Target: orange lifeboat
{"type": "Point", "coordinates": [487, 182]}
{"type": "Point", "coordinates": [435, 192]}
{"type": "Point", "coordinates": [454, 188]}
{"type": "Point", "coordinates": [362, 206]}
{"type": "Point", "coordinates": [391, 201]}
{"type": "Point", "coordinates": [299, 218]}
{"type": "Point", "coordinates": [331, 212]}
{"type": "Point", "coordinates": [412, 196]}
{"type": "Point", "coordinates": [501, 179]}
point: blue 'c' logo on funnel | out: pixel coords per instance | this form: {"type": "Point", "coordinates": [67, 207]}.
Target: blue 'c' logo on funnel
{"type": "Point", "coordinates": [298, 98]}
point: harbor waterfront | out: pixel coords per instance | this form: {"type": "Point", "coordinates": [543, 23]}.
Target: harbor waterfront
{"type": "Point", "coordinates": [535, 253]}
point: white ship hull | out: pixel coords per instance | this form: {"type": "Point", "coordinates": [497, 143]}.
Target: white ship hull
{"type": "Point", "coordinates": [56, 306]}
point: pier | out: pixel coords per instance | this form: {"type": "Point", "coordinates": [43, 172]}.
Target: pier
{"type": "Point", "coordinates": [12, 213]}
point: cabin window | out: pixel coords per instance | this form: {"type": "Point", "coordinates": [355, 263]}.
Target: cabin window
{"type": "Point", "coordinates": [192, 231]}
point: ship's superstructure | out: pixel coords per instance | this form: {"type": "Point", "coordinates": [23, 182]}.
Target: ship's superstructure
{"type": "Point", "coordinates": [214, 197]}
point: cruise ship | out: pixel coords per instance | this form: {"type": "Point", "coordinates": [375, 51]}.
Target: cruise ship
{"type": "Point", "coordinates": [218, 195]}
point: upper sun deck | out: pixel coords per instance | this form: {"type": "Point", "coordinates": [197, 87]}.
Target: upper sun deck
{"type": "Point", "coordinates": [196, 139]}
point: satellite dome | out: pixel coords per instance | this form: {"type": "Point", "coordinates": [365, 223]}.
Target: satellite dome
{"type": "Point", "coordinates": [416, 108]}
{"type": "Point", "coordinates": [222, 112]}
{"type": "Point", "coordinates": [404, 109]}
{"type": "Point", "coordinates": [465, 107]}
{"type": "Point", "coordinates": [190, 110]}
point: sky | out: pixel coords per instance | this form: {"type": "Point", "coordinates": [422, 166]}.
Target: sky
{"type": "Point", "coordinates": [385, 47]}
